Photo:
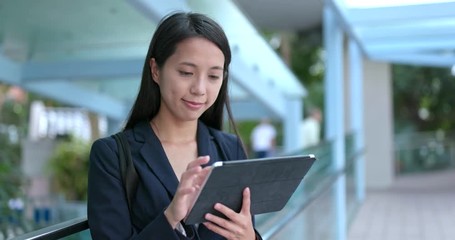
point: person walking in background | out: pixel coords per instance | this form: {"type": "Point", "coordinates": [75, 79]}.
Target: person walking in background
{"type": "Point", "coordinates": [263, 139]}
{"type": "Point", "coordinates": [311, 128]}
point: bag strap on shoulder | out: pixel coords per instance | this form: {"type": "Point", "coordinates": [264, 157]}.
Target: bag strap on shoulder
{"type": "Point", "coordinates": [128, 171]}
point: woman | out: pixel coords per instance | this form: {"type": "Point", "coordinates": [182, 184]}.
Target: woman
{"type": "Point", "coordinates": [174, 129]}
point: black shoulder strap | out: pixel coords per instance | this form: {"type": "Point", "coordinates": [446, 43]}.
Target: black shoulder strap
{"type": "Point", "coordinates": [128, 171]}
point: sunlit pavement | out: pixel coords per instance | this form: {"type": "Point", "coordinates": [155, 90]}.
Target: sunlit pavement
{"type": "Point", "coordinates": [418, 207]}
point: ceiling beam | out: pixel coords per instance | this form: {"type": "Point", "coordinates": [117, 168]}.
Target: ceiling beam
{"type": "Point", "coordinates": [69, 93]}
{"type": "Point", "coordinates": [410, 44]}
{"type": "Point", "coordinates": [396, 14]}
{"type": "Point", "coordinates": [82, 69]}
{"type": "Point", "coordinates": [429, 60]}
{"type": "Point", "coordinates": [386, 32]}
{"type": "Point", "coordinates": [95, 52]}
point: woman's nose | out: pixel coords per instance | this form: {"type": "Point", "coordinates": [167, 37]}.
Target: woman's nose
{"type": "Point", "coordinates": [198, 86]}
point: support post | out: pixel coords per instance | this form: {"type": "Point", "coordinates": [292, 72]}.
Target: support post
{"type": "Point", "coordinates": [334, 112]}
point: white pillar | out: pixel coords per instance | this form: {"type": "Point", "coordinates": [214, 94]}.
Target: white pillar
{"type": "Point", "coordinates": [334, 111]}
{"type": "Point", "coordinates": [291, 124]}
{"type": "Point", "coordinates": [356, 102]}
{"type": "Point", "coordinates": [36, 120]}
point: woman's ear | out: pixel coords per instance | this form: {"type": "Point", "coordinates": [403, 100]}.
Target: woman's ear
{"type": "Point", "coordinates": [155, 71]}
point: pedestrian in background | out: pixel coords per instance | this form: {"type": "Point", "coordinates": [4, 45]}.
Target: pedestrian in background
{"type": "Point", "coordinates": [311, 128]}
{"type": "Point", "coordinates": [263, 139]}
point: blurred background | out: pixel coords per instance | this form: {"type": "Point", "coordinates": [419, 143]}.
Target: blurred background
{"type": "Point", "coordinates": [366, 86]}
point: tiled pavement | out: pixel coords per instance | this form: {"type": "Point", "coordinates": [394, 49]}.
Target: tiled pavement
{"type": "Point", "coordinates": [416, 207]}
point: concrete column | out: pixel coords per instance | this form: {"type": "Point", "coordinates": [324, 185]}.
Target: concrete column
{"type": "Point", "coordinates": [379, 162]}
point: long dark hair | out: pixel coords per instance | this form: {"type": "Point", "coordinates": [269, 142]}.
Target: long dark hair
{"type": "Point", "coordinates": [172, 30]}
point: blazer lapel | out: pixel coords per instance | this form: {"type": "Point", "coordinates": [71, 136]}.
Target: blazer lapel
{"type": "Point", "coordinates": [206, 143]}
{"type": "Point", "coordinates": [155, 157]}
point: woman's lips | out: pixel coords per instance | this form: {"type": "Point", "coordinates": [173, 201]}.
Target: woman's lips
{"type": "Point", "coordinates": [193, 105]}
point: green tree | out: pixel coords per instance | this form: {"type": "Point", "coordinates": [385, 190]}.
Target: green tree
{"type": "Point", "coordinates": [307, 63]}
{"type": "Point", "coordinates": [12, 129]}
{"type": "Point", "coordinates": [423, 98]}
{"type": "Point", "coordinates": [69, 166]}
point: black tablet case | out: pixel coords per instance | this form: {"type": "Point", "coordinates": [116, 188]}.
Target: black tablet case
{"type": "Point", "coordinates": [271, 181]}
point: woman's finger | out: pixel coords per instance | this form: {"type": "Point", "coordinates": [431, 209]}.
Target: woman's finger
{"type": "Point", "coordinates": [237, 225]}
{"type": "Point", "coordinates": [244, 211]}
{"type": "Point", "coordinates": [225, 232]}
{"type": "Point", "coordinates": [198, 162]}
{"type": "Point", "coordinates": [246, 202]}
{"type": "Point", "coordinates": [229, 213]}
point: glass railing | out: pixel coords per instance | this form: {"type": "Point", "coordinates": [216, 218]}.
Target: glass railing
{"type": "Point", "coordinates": [309, 214]}
{"type": "Point", "coordinates": [419, 152]}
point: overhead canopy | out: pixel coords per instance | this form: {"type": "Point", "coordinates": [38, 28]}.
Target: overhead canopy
{"type": "Point", "coordinates": [419, 32]}
{"type": "Point", "coordinates": [90, 54]}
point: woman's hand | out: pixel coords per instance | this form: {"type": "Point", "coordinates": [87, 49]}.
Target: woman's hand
{"type": "Point", "coordinates": [238, 225]}
{"type": "Point", "coordinates": [189, 186]}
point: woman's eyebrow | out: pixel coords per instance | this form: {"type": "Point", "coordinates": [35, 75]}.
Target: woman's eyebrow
{"type": "Point", "coordinates": [190, 64]}
{"type": "Point", "coordinates": [217, 68]}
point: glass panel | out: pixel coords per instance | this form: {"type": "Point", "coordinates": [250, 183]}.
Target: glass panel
{"type": "Point", "coordinates": [419, 152]}
{"type": "Point", "coordinates": [351, 192]}
{"type": "Point", "coordinates": [316, 222]}
{"type": "Point", "coordinates": [310, 213]}
{"type": "Point", "coordinates": [317, 181]}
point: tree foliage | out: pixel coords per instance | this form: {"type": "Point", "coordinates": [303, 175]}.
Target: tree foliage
{"type": "Point", "coordinates": [69, 166]}
{"type": "Point", "coordinates": [307, 63]}
{"type": "Point", "coordinates": [12, 128]}
{"type": "Point", "coordinates": [423, 98]}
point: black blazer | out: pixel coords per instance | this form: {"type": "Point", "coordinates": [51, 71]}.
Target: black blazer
{"type": "Point", "coordinates": [108, 213]}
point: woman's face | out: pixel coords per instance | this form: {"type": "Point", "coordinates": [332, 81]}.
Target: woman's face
{"type": "Point", "coordinates": [190, 79]}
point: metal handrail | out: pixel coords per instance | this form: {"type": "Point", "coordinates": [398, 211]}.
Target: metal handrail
{"type": "Point", "coordinates": [57, 231]}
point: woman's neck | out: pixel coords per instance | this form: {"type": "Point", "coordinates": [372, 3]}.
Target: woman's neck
{"type": "Point", "coordinates": [170, 131]}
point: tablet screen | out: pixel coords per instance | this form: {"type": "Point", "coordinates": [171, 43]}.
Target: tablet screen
{"type": "Point", "coordinates": [271, 181]}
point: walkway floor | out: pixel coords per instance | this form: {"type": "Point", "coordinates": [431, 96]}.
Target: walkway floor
{"type": "Point", "coordinates": [417, 207]}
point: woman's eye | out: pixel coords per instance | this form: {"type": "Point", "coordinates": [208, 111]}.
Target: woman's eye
{"type": "Point", "coordinates": [214, 77]}
{"type": "Point", "coordinates": [184, 73]}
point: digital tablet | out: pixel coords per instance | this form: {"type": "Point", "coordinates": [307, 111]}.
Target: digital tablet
{"type": "Point", "coordinates": [271, 181]}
